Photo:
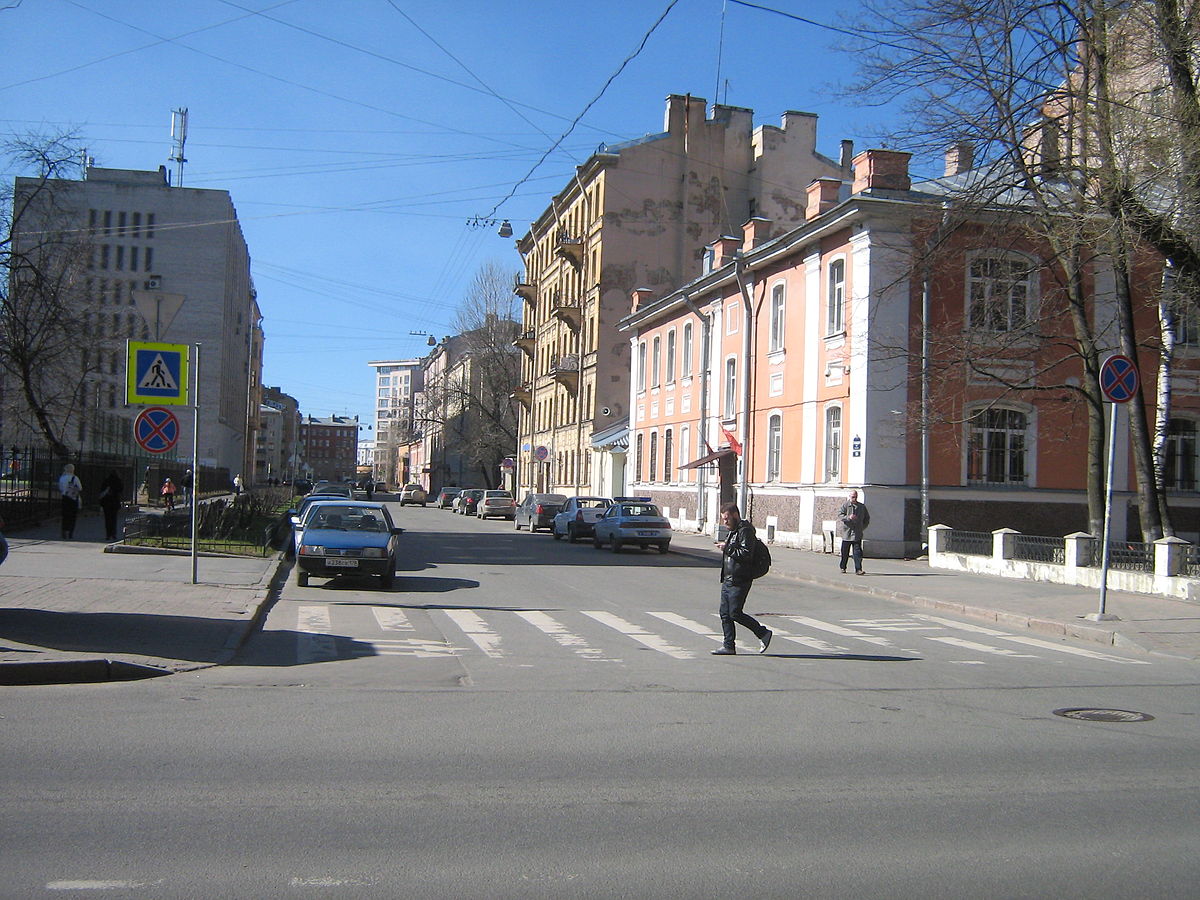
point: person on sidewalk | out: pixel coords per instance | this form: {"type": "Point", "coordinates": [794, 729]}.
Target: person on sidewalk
{"type": "Point", "coordinates": [853, 519]}
{"type": "Point", "coordinates": [237, 485]}
{"type": "Point", "coordinates": [168, 493]}
{"type": "Point", "coordinates": [187, 482]}
{"type": "Point", "coordinates": [737, 553]}
{"type": "Point", "coordinates": [112, 492]}
{"type": "Point", "coordinates": [71, 489]}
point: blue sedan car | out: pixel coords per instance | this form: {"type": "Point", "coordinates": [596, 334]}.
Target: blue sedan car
{"type": "Point", "coordinates": [348, 537]}
{"type": "Point", "coordinates": [632, 520]}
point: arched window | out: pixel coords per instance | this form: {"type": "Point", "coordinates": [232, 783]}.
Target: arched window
{"type": "Point", "coordinates": [686, 367]}
{"type": "Point", "coordinates": [655, 360]}
{"type": "Point", "coordinates": [668, 450]}
{"type": "Point", "coordinates": [670, 356]}
{"type": "Point", "coordinates": [996, 446]}
{"type": "Point", "coordinates": [730, 388]}
{"type": "Point", "coordinates": [637, 457]}
{"type": "Point", "coordinates": [653, 456]}
{"type": "Point", "coordinates": [778, 299]}
{"type": "Point", "coordinates": [835, 300]}
{"type": "Point", "coordinates": [774, 447]}
{"type": "Point", "coordinates": [641, 366]}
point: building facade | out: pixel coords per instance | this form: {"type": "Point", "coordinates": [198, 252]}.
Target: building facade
{"type": "Point", "coordinates": [637, 215]}
{"type": "Point", "coordinates": [397, 382]}
{"type": "Point", "coordinates": [330, 447]}
{"type": "Point", "coordinates": [158, 263]}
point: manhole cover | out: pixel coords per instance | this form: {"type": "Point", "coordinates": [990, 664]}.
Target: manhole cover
{"type": "Point", "coordinates": [1104, 715]}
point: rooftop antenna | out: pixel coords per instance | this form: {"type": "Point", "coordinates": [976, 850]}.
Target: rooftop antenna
{"type": "Point", "coordinates": [179, 119]}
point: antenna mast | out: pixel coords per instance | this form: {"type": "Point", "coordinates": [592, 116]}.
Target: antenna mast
{"type": "Point", "coordinates": [179, 119]}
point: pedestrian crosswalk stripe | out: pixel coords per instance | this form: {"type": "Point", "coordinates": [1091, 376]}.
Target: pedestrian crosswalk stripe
{"type": "Point", "coordinates": [639, 634]}
{"type": "Point", "coordinates": [839, 630]}
{"type": "Point", "coordinates": [313, 639]}
{"type": "Point", "coordinates": [564, 638]}
{"type": "Point", "coordinates": [982, 648]}
{"type": "Point", "coordinates": [1032, 641]}
{"type": "Point", "coordinates": [390, 619]}
{"type": "Point", "coordinates": [478, 631]}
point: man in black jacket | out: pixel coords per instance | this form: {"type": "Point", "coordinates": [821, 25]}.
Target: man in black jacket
{"type": "Point", "coordinates": [737, 554]}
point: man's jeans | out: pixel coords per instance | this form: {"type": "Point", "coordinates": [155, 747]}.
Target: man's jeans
{"type": "Point", "coordinates": [854, 547]}
{"type": "Point", "coordinates": [733, 598]}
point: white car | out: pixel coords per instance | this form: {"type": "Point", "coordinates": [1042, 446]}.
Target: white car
{"type": "Point", "coordinates": [413, 493]}
{"type": "Point", "coordinates": [578, 517]}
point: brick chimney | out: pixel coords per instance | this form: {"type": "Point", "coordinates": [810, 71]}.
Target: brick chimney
{"type": "Point", "coordinates": [641, 297]}
{"type": "Point", "coordinates": [881, 169]}
{"type": "Point", "coordinates": [724, 248]}
{"type": "Point", "coordinates": [960, 157]}
{"type": "Point", "coordinates": [822, 196]}
{"type": "Point", "coordinates": [755, 232]}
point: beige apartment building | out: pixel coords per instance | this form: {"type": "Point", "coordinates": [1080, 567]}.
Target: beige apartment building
{"type": "Point", "coordinates": [636, 216]}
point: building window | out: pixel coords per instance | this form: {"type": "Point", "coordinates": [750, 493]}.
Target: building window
{"type": "Point", "coordinates": [685, 437]}
{"type": "Point", "coordinates": [835, 301]}
{"type": "Point", "coordinates": [655, 360]}
{"type": "Point", "coordinates": [1185, 323]}
{"type": "Point", "coordinates": [777, 303]}
{"type": "Point", "coordinates": [653, 456]}
{"type": "Point", "coordinates": [999, 289]}
{"type": "Point", "coordinates": [1179, 470]}
{"type": "Point", "coordinates": [833, 443]}
{"type": "Point", "coordinates": [671, 356]}
{"type": "Point", "coordinates": [730, 388]}
{"type": "Point", "coordinates": [687, 350]}
{"type": "Point", "coordinates": [641, 366]}
{"type": "Point", "coordinates": [996, 446]}
{"type": "Point", "coordinates": [668, 449]}
{"type": "Point", "coordinates": [637, 457]}
{"type": "Point", "coordinates": [774, 447]}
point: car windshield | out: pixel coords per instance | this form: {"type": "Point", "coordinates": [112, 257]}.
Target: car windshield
{"type": "Point", "coordinates": [593, 503]}
{"type": "Point", "coordinates": [347, 518]}
{"type": "Point", "coordinates": [501, 494]}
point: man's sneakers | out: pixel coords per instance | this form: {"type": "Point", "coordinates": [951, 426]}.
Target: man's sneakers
{"type": "Point", "coordinates": [766, 640]}
{"type": "Point", "coordinates": [725, 651]}
{"type": "Point", "coordinates": [732, 651]}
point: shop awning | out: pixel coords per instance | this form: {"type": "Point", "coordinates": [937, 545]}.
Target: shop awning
{"type": "Point", "coordinates": [707, 458]}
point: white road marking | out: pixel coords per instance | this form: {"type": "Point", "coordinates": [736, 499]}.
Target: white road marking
{"type": "Point", "coordinates": [96, 885]}
{"type": "Point", "coordinates": [1032, 641]}
{"type": "Point", "coordinates": [982, 648]}
{"type": "Point", "coordinates": [639, 634]}
{"type": "Point", "coordinates": [314, 640]}
{"type": "Point", "coordinates": [480, 633]}
{"type": "Point", "coordinates": [418, 647]}
{"type": "Point", "coordinates": [839, 630]}
{"type": "Point", "coordinates": [390, 619]}
{"type": "Point", "coordinates": [889, 625]}
{"type": "Point", "coordinates": [564, 638]}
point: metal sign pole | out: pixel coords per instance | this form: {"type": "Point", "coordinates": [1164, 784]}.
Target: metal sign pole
{"type": "Point", "coordinates": [195, 454]}
{"type": "Point", "coordinates": [1101, 615]}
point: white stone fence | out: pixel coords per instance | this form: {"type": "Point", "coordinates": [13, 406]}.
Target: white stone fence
{"type": "Point", "coordinates": [1167, 567]}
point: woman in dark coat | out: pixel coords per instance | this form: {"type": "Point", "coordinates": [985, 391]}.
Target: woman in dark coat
{"type": "Point", "coordinates": [111, 493]}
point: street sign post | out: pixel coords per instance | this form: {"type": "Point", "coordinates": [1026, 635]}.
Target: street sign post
{"type": "Point", "coordinates": [157, 373]}
{"type": "Point", "coordinates": [1119, 383]}
{"type": "Point", "coordinates": [156, 429]}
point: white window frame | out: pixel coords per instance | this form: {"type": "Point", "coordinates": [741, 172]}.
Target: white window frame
{"type": "Point", "coordinates": [670, 374]}
{"type": "Point", "coordinates": [778, 317]}
{"type": "Point", "coordinates": [775, 447]}
{"type": "Point", "coordinates": [1180, 468]}
{"type": "Point", "coordinates": [686, 366]}
{"type": "Point", "coordinates": [996, 302]}
{"type": "Point", "coordinates": [655, 361]}
{"type": "Point", "coordinates": [641, 366]}
{"type": "Point", "coordinates": [833, 443]}
{"type": "Point", "coordinates": [729, 383]}
{"type": "Point", "coordinates": [980, 438]}
{"type": "Point", "coordinates": [835, 296]}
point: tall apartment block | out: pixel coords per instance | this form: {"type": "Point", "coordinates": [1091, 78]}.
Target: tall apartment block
{"type": "Point", "coordinates": [137, 235]}
{"type": "Point", "coordinates": [637, 216]}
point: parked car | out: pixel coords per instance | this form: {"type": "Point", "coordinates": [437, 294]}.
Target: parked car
{"type": "Point", "coordinates": [632, 520]}
{"type": "Point", "coordinates": [446, 496]}
{"type": "Point", "coordinates": [332, 489]}
{"type": "Point", "coordinates": [348, 537]}
{"type": "Point", "coordinates": [413, 493]}
{"type": "Point", "coordinates": [578, 517]}
{"type": "Point", "coordinates": [300, 513]}
{"type": "Point", "coordinates": [497, 505]}
{"type": "Point", "coordinates": [468, 501]}
{"type": "Point", "coordinates": [538, 510]}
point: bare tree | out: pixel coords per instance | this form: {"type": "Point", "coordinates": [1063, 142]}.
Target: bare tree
{"type": "Point", "coordinates": [44, 354]}
{"type": "Point", "coordinates": [1029, 84]}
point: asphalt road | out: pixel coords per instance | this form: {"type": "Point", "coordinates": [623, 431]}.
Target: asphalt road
{"type": "Point", "coordinates": [520, 717]}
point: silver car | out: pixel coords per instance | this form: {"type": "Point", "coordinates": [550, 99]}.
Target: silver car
{"type": "Point", "coordinates": [632, 520]}
{"type": "Point", "coordinates": [578, 517]}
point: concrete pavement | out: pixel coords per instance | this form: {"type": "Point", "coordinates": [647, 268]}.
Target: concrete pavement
{"type": "Point", "coordinates": [71, 612]}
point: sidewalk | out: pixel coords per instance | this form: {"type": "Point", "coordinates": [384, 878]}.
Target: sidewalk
{"type": "Point", "coordinates": [1146, 624]}
{"type": "Point", "coordinates": [71, 612]}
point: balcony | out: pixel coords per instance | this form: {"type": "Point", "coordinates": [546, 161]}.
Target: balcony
{"type": "Point", "coordinates": [526, 292]}
{"type": "Point", "coordinates": [565, 370]}
{"type": "Point", "coordinates": [566, 310]}
{"type": "Point", "coordinates": [569, 248]}
{"type": "Point", "coordinates": [526, 341]}
{"type": "Point", "coordinates": [523, 394]}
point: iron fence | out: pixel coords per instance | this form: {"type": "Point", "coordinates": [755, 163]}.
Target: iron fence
{"type": "Point", "coordinates": [970, 543]}
{"type": "Point", "coordinates": [1035, 548]}
{"type": "Point", "coordinates": [1191, 561]}
{"type": "Point", "coordinates": [1130, 556]}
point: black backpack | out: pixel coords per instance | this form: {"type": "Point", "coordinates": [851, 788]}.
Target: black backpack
{"type": "Point", "coordinates": [760, 561]}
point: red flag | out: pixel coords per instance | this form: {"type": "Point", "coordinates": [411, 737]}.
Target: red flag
{"type": "Point", "coordinates": [733, 442]}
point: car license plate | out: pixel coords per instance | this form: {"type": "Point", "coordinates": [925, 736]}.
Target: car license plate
{"type": "Point", "coordinates": [342, 563]}
{"type": "Point", "coordinates": [647, 534]}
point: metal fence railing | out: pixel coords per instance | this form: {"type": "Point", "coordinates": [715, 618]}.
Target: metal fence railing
{"type": "Point", "coordinates": [971, 543]}
{"type": "Point", "coordinates": [1191, 562]}
{"type": "Point", "coordinates": [1129, 556]}
{"type": "Point", "coordinates": [1035, 548]}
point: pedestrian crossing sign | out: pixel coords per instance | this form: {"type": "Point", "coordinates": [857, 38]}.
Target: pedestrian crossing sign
{"type": "Point", "coordinates": [156, 373]}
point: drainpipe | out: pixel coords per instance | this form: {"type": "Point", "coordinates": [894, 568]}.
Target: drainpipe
{"type": "Point", "coordinates": [705, 363]}
{"type": "Point", "coordinates": [739, 269]}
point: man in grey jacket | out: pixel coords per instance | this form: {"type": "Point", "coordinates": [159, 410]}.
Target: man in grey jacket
{"type": "Point", "coordinates": [853, 519]}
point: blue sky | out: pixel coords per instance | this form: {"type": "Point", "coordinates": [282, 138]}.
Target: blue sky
{"type": "Point", "coordinates": [359, 138]}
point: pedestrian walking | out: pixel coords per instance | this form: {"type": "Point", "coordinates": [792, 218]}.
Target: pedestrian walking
{"type": "Point", "coordinates": [168, 493]}
{"type": "Point", "coordinates": [71, 489]}
{"type": "Point", "coordinates": [737, 555]}
{"type": "Point", "coordinates": [187, 482]}
{"type": "Point", "coordinates": [853, 519]}
{"type": "Point", "coordinates": [111, 494]}
{"type": "Point", "coordinates": [237, 484]}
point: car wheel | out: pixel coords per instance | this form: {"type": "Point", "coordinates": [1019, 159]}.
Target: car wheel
{"type": "Point", "coordinates": [663, 548]}
{"type": "Point", "coordinates": [572, 537]}
{"type": "Point", "coordinates": [301, 577]}
{"type": "Point", "coordinates": [516, 525]}
{"type": "Point", "coordinates": [616, 545]}
{"type": "Point", "coordinates": [596, 541]}
{"type": "Point", "coordinates": [554, 533]}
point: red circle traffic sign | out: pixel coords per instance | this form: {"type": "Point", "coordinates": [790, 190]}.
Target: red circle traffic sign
{"type": "Point", "coordinates": [1119, 378]}
{"type": "Point", "coordinates": [156, 430]}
